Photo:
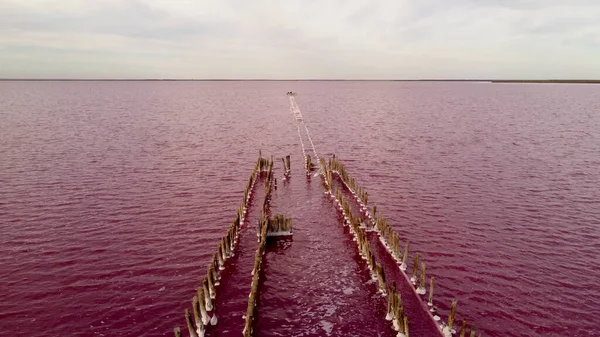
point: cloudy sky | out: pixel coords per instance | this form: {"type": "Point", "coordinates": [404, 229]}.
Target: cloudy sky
{"type": "Point", "coordinates": [382, 39]}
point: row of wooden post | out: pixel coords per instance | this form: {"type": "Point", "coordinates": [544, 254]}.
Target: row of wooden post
{"type": "Point", "coordinates": [361, 195]}
{"type": "Point", "coordinates": [266, 165]}
{"type": "Point", "coordinates": [395, 311]}
{"type": "Point", "coordinates": [253, 296]}
{"type": "Point", "coordinates": [203, 303]}
{"type": "Point", "coordinates": [260, 250]}
{"type": "Point", "coordinates": [389, 238]}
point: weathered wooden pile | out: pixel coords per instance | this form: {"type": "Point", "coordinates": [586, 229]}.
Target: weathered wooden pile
{"type": "Point", "coordinates": [286, 165]}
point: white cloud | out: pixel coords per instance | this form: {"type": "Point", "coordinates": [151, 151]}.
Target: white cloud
{"type": "Point", "coordinates": [301, 39]}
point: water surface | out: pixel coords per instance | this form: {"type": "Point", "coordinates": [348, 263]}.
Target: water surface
{"type": "Point", "coordinates": [113, 194]}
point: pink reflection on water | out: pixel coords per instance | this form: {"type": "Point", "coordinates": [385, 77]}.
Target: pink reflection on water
{"type": "Point", "coordinates": [114, 194]}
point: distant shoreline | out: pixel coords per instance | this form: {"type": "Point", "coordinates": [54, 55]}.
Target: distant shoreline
{"type": "Point", "coordinates": [298, 80]}
{"type": "Point", "coordinates": [547, 81]}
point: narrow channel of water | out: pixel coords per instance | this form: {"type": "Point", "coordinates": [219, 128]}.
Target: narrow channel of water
{"type": "Point", "coordinates": [315, 284]}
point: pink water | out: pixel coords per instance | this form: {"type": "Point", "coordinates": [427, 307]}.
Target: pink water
{"type": "Point", "coordinates": [316, 284]}
{"type": "Point", "coordinates": [113, 196]}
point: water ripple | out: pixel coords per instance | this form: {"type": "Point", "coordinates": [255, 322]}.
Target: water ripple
{"type": "Point", "coordinates": [110, 192]}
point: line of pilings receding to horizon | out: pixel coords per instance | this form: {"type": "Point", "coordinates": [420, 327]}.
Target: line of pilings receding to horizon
{"type": "Point", "coordinates": [204, 303]}
{"type": "Point", "coordinates": [371, 222]}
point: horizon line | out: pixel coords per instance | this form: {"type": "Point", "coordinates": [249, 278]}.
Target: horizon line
{"type": "Point", "coordinates": [295, 80]}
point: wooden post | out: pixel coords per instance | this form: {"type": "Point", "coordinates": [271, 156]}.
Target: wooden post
{"type": "Point", "coordinates": [431, 281]}
{"type": "Point", "coordinates": [472, 333]}
{"type": "Point", "coordinates": [211, 287]}
{"type": "Point", "coordinates": [452, 313]}
{"type": "Point", "coordinates": [405, 257]}
{"type": "Point", "coordinates": [399, 318]}
{"type": "Point", "coordinates": [413, 278]}
{"type": "Point", "coordinates": [190, 325]}
{"type": "Point", "coordinates": [421, 290]}
{"type": "Point", "coordinates": [207, 300]}
{"type": "Point", "coordinates": [197, 316]}
{"type": "Point", "coordinates": [463, 328]}
{"type": "Point", "coordinates": [381, 278]}
{"type": "Point", "coordinates": [390, 306]}
{"type": "Point", "coordinates": [202, 306]}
